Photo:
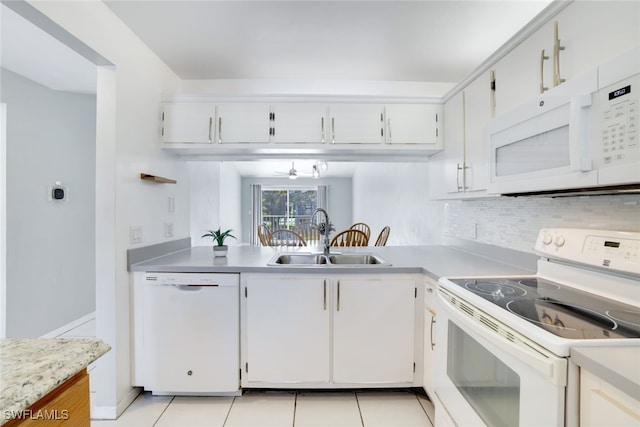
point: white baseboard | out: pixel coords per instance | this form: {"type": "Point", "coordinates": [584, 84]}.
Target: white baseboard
{"type": "Point", "coordinates": [113, 412]}
{"type": "Point", "coordinates": [69, 326]}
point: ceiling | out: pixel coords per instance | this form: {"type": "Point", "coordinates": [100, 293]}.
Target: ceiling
{"type": "Point", "coordinates": [426, 41]}
{"type": "Point", "coordinates": [32, 53]}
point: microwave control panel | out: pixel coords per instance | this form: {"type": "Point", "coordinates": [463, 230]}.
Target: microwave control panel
{"type": "Point", "coordinates": [619, 116]}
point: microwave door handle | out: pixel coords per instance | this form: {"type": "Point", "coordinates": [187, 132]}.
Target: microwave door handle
{"type": "Point", "coordinates": [579, 135]}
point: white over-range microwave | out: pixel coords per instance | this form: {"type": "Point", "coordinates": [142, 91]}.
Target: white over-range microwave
{"type": "Point", "coordinates": [584, 136]}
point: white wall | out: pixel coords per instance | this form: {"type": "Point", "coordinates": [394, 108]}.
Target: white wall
{"type": "Point", "coordinates": [396, 194]}
{"type": "Point", "coordinates": [50, 244]}
{"type": "Point", "coordinates": [259, 87]}
{"type": "Point", "coordinates": [128, 126]}
{"type": "Point", "coordinates": [215, 194]}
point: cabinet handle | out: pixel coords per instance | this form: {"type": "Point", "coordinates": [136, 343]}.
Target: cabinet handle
{"type": "Point", "coordinates": [322, 129]}
{"type": "Point", "coordinates": [210, 126]}
{"type": "Point", "coordinates": [543, 58]}
{"type": "Point", "coordinates": [492, 78]}
{"type": "Point", "coordinates": [389, 129]}
{"type": "Point", "coordinates": [433, 343]}
{"type": "Point", "coordinates": [338, 298]}
{"type": "Point", "coordinates": [325, 294]}
{"type": "Point", "coordinates": [458, 169]}
{"type": "Point", "coordinates": [220, 130]}
{"type": "Point", "coordinates": [333, 130]}
{"type": "Point", "coordinates": [556, 56]}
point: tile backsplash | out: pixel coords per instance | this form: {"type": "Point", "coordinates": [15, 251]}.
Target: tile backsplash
{"type": "Point", "coordinates": [514, 222]}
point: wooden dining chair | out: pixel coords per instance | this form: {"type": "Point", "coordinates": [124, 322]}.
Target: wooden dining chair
{"type": "Point", "coordinates": [362, 227]}
{"type": "Point", "coordinates": [284, 237]}
{"type": "Point", "coordinates": [383, 236]}
{"type": "Point", "coordinates": [308, 231]}
{"type": "Point", "coordinates": [264, 234]}
{"type": "Point", "coordinates": [350, 237]}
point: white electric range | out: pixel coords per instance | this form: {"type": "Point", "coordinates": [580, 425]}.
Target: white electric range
{"type": "Point", "coordinates": [508, 339]}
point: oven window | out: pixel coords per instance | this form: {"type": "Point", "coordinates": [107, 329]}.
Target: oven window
{"type": "Point", "coordinates": [490, 386]}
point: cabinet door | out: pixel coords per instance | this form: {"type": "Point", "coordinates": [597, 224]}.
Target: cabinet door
{"type": "Point", "coordinates": [454, 144]}
{"type": "Point", "coordinates": [240, 123]}
{"type": "Point", "coordinates": [287, 330]}
{"type": "Point", "coordinates": [601, 404]}
{"type": "Point", "coordinates": [373, 330]}
{"type": "Point", "coordinates": [188, 122]}
{"type": "Point", "coordinates": [413, 124]}
{"type": "Point", "coordinates": [356, 123]}
{"type": "Point", "coordinates": [298, 122]}
{"type": "Point", "coordinates": [429, 337]}
{"type": "Point", "coordinates": [477, 104]}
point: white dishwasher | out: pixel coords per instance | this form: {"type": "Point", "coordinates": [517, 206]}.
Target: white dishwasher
{"type": "Point", "coordinates": [191, 333]}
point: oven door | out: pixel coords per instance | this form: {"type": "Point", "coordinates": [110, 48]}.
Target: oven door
{"type": "Point", "coordinates": [487, 375]}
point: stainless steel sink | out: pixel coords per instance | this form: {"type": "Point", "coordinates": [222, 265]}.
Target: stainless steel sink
{"type": "Point", "coordinates": [301, 259]}
{"type": "Point", "coordinates": [298, 259]}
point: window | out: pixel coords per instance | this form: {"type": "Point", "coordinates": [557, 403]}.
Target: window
{"type": "Point", "coordinates": [287, 207]}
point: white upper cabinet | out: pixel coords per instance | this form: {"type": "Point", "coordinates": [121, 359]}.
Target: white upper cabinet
{"type": "Point", "coordinates": [356, 123]}
{"type": "Point", "coordinates": [188, 122]}
{"type": "Point", "coordinates": [462, 170]}
{"type": "Point", "coordinates": [243, 122]}
{"type": "Point", "coordinates": [588, 34]}
{"type": "Point", "coordinates": [299, 123]}
{"type": "Point", "coordinates": [413, 124]}
{"type": "Point", "coordinates": [477, 114]}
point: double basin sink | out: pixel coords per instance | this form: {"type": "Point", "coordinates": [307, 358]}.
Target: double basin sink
{"type": "Point", "coordinates": [294, 259]}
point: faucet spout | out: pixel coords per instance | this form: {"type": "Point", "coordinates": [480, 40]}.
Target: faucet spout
{"type": "Point", "coordinates": [324, 229]}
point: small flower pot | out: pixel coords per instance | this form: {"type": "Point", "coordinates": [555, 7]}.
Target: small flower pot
{"type": "Point", "coordinates": [220, 251]}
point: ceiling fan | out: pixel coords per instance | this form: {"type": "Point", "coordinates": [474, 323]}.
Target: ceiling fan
{"type": "Point", "coordinates": [294, 174]}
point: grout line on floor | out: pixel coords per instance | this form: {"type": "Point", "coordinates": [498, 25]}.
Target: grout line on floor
{"type": "Point", "coordinates": [418, 397]}
{"type": "Point", "coordinates": [229, 411]}
{"type": "Point", "coordinates": [163, 411]}
{"type": "Point", "coordinates": [295, 407]}
{"type": "Point", "coordinates": [359, 410]}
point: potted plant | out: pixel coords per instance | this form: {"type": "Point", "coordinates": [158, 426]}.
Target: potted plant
{"type": "Point", "coordinates": [220, 249]}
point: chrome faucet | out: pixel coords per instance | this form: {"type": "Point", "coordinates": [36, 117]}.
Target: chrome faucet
{"type": "Point", "coordinates": [324, 229]}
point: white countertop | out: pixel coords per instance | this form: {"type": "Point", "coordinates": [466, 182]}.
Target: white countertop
{"type": "Point", "coordinates": [619, 366]}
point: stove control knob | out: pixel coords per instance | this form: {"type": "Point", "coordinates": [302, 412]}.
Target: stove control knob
{"type": "Point", "coordinates": [559, 241]}
{"type": "Point", "coordinates": [547, 239]}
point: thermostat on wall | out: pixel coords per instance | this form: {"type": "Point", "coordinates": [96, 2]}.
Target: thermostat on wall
{"type": "Point", "coordinates": [58, 193]}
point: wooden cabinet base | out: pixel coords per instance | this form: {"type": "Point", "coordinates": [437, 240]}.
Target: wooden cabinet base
{"type": "Point", "coordinates": [67, 405]}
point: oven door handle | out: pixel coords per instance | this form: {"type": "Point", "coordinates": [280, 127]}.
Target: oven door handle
{"type": "Point", "coordinates": [546, 363]}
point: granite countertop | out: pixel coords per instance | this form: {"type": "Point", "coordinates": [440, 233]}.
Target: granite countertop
{"type": "Point", "coordinates": [436, 261]}
{"type": "Point", "coordinates": [619, 366]}
{"type": "Point", "coordinates": [32, 367]}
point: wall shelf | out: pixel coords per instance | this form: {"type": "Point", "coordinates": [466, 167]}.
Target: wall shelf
{"type": "Point", "coordinates": [154, 178]}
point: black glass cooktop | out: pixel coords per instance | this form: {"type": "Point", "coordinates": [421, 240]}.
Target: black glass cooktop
{"type": "Point", "coordinates": [561, 310]}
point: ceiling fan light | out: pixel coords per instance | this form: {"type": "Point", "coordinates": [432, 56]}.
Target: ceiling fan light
{"type": "Point", "coordinates": [316, 172]}
{"type": "Point", "coordinates": [293, 175]}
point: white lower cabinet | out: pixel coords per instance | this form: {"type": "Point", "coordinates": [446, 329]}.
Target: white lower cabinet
{"type": "Point", "coordinates": [286, 326]}
{"type": "Point", "coordinates": [329, 331]}
{"type": "Point", "coordinates": [430, 311]}
{"type": "Point", "coordinates": [603, 405]}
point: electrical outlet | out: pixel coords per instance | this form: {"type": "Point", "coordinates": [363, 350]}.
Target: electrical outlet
{"type": "Point", "coordinates": [135, 234]}
{"type": "Point", "coordinates": [172, 204]}
{"type": "Point", "coordinates": [168, 229]}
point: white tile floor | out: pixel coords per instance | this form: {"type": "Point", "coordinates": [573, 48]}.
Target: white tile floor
{"type": "Point", "coordinates": [279, 408]}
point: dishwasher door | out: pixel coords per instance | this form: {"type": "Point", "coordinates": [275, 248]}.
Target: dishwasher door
{"type": "Point", "coordinates": [191, 333]}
